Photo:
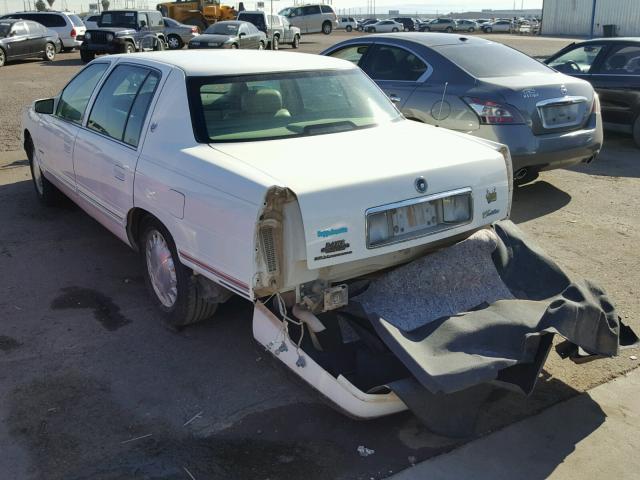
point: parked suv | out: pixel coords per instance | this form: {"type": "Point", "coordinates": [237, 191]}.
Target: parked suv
{"type": "Point", "coordinates": [276, 27]}
{"type": "Point", "coordinates": [348, 23]}
{"type": "Point", "coordinates": [312, 18]}
{"type": "Point", "coordinates": [124, 31]}
{"type": "Point", "coordinates": [408, 23]}
{"type": "Point", "coordinates": [439, 25]}
{"type": "Point", "coordinates": [68, 26]}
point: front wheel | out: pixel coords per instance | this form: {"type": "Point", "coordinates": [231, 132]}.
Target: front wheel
{"type": "Point", "coordinates": [49, 52]}
{"type": "Point", "coordinates": [46, 192]}
{"type": "Point", "coordinates": [86, 56]}
{"type": "Point", "coordinates": [327, 28]}
{"type": "Point", "coordinates": [261, 45]}
{"type": "Point", "coordinates": [172, 286]}
{"type": "Point", "coordinates": [159, 45]}
{"type": "Point", "coordinates": [349, 28]}
{"type": "Point", "coordinates": [296, 42]}
{"type": "Point", "coordinates": [471, 30]}
{"type": "Point", "coordinates": [128, 48]}
{"type": "Point", "coordinates": [2, 57]}
{"type": "Point", "coordinates": [234, 46]}
{"type": "Point", "coordinates": [394, 30]}
{"type": "Point", "coordinates": [275, 43]}
{"type": "Point", "coordinates": [174, 42]}
{"type": "Point", "coordinates": [488, 30]}
{"type": "Point", "coordinates": [449, 30]}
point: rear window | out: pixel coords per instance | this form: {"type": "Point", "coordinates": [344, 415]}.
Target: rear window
{"type": "Point", "coordinates": [49, 20]}
{"type": "Point", "coordinates": [77, 22]}
{"type": "Point", "coordinates": [326, 9]}
{"type": "Point", "coordinates": [491, 60]}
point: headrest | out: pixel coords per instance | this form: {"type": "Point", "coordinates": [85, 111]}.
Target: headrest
{"type": "Point", "coordinates": [266, 100]}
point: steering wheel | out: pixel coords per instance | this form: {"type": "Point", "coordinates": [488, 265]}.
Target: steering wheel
{"type": "Point", "coordinates": [573, 66]}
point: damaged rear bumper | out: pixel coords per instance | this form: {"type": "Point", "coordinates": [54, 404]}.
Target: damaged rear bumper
{"type": "Point", "coordinates": [447, 327]}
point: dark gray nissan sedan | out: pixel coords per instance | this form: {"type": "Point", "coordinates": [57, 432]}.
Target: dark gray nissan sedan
{"type": "Point", "coordinates": [548, 119]}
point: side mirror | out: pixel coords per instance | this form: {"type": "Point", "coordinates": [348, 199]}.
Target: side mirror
{"type": "Point", "coordinates": [241, 34]}
{"type": "Point", "coordinates": [12, 34]}
{"type": "Point", "coordinates": [44, 106]}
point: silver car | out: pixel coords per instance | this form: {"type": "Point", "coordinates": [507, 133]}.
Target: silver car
{"type": "Point", "coordinates": [467, 26]}
{"type": "Point", "coordinates": [178, 34]}
{"type": "Point", "coordinates": [548, 119]}
{"type": "Point", "coordinates": [439, 25]}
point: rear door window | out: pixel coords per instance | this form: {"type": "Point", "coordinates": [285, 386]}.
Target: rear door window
{"type": "Point", "coordinates": [622, 60]}
{"type": "Point", "coordinates": [123, 99]}
{"type": "Point", "coordinates": [19, 29]}
{"type": "Point", "coordinates": [311, 10]}
{"type": "Point", "coordinates": [75, 96]}
{"type": "Point", "coordinates": [326, 9]}
{"type": "Point", "coordinates": [353, 53]}
{"type": "Point", "coordinates": [394, 63]}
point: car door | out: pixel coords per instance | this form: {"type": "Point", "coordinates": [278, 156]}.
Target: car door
{"type": "Point", "coordinates": [60, 129]}
{"type": "Point", "coordinates": [107, 149]}
{"type": "Point", "coordinates": [36, 40]}
{"type": "Point", "coordinates": [616, 78]}
{"type": "Point", "coordinates": [312, 18]}
{"type": "Point", "coordinates": [17, 41]}
{"type": "Point", "coordinates": [244, 40]}
{"type": "Point", "coordinates": [396, 70]}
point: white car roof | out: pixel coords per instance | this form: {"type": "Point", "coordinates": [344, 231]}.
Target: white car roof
{"type": "Point", "coordinates": [241, 62]}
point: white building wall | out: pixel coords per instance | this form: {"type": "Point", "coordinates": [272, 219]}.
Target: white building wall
{"type": "Point", "coordinates": [573, 17]}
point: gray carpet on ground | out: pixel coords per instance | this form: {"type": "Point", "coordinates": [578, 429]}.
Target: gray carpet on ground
{"type": "Point", "coordinates": [445, 283]}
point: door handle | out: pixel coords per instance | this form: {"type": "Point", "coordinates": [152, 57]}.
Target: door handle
{"type": "Point", "coordinates": [394, 98]}
{"type": "Point", "coordinates": [118, 172]}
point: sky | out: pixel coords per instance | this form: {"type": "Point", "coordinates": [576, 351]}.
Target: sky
{"type": "Point", "coordinates": [382, 6]}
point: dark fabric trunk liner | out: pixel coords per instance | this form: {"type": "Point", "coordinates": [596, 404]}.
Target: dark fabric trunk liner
{"type": "Point", "coordinates": [505, 335]}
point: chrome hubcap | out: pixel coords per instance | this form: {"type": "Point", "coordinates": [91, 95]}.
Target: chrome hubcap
{"type": "Point", "coordinates": [173, 42]}
{"type": "Point", "coordinates": [50, 52]}
{"type": "Point", "coordinates": [162, 271]}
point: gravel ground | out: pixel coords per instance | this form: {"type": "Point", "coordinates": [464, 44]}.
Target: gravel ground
{"type": "Point", "coordinates": [93, 387]}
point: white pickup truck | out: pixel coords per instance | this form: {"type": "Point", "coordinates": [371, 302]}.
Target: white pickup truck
{"type": "Point", "coordinates": [274, 176]}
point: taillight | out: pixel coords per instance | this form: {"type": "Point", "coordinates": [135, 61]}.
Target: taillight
{"type": "Point", "coordinates": [595, 108]}
{"type": "Point", "coordinates": [73, 32]}
{"type": "Point", "coordinates": [493, 113]}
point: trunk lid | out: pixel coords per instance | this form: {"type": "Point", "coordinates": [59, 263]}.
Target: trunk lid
{"type": "Point", "coordinates": [550, 102]}
{"type": "Point", "coordinates": [338, 177]}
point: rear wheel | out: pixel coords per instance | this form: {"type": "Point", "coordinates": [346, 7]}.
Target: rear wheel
{"type": "Point", "coordinates": [175, 42]}
{"type": "Point", "coordinates": [636, 131]}
{"type": "Point", "coordinates": [488, 30]}
{"type": "Point", "coordinates": [449, 30]}
{"type": "Point", "coordinates": [394, 29]}
{"type": "Point", "coordinates": [275, 43]}
{"type": "Point", "coordinates": [261, 45]}
{"type": "Point", "coordinates": [173, 286]}
{"type": "Point", "coordinates": [349, 28]}
{"type": "Point", "coordinates": [296, 41]}
{"type": "Point", "coordinates": [86, 57]}
{"type": "Point", "coordinates": [128, 48]}
{"type": "Point", "coordinates": [49, 52]}
{"type": "Point", "coordinates": [3, 57]}
{"type": "Point", "coordinates": [234, 46]}
{"type": "Point", "coordinates": [471, 30]}
{"type": "Point", "coordinates": [327, 28]}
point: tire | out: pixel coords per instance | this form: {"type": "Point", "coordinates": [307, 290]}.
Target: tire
{"type": "Point", "coordinates": [488, 30]}
{"type": "Point", "coordinates": [449, 29]}
{"type": "Point", "coordinates": [49, 52]}
{"type": "Point", "coordinates": [234, 46]}
{"type": "Point", "coordinates": [349, 28]}
{"type": "Point", "coordinates": [296, 42]}
{"type": "Point", "coordinates": [3, 58]}
{"type": "Point", "coordinates": [172, 286]}
{"type": "Point", "coordinates": [428, 29]}
{"type": "Point", "coordinates": [261, 45]}
{"type": "Point", "coordinates": [46, 192]}
{"type": "Point", "coordinates": [86, 57]}
{"type": "Point", "coordinates": [128, 47]}
{"type": "Point", "coordinates": [174, 42]}
{"type": "Point", "coordinates": [394, 30]}
{"type": "Point", "coordinates": [636, 131]}
{"type": "Point", "coordinates": [275, 43]}
{"type": "Point", "coordinates": [159, 45]}
{"type": "Point", "coordinates": [471, 30]}
{"type": "Point", "coordinates": [327, 28]}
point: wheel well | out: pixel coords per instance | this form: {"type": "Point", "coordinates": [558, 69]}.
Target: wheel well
{"type": "Point", "coordinates": [135, 219]}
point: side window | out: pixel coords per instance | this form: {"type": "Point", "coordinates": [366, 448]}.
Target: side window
{"type": "Point", "coordinates": [75, 96]}
{"type": "Point", "coordinates": [19, 28]}
{"type": "Point", "coordinates": [326, 9]}
{"type": "Point", "coordinates": [311, 10]}
{"type": "Point", "coordinates": [624, 60]}
{"type": "Point", "coordinates": [155, 18]}
{"type": "Point", "coordinates": [123, 99]}
{"type": "Point", "coordinates": [393, 63]}
{"type": "Point", "coordinates": [578, 60]}
{"type": "Point", "coordinates": [353, 54]}
{"type": "Point", "coordinates": [142, 20]}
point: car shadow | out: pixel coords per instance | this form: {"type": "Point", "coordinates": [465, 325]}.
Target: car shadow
{"type": "Point", "coordinates": [67, 62]}
{"type": "Point", "coordinates": [618, 158]}
{"type": "Point", "coordinates": [537, 199]}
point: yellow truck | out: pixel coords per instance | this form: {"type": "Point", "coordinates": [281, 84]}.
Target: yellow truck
{"type": "Point", "coordinates": [200, 13]}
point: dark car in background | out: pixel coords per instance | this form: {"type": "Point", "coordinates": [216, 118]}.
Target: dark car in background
{"type": "Point", "coordinates": [26, 39]}
{"type": "Point", "coordinates": [612, 66]}
{"type": "Point", "coordinates": [230, 34]}
{"type": "Point", "coordinates": [486, 89]}
{"type": "Point", "coordinates": [124, 31]}
{"type": "Point", "coordinates": [408, 23]}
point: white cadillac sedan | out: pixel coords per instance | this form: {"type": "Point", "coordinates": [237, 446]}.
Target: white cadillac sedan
{"type": "Point", "coordinates": [273, 176]}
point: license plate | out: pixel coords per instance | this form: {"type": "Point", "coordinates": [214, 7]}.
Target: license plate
{"type": "Point", "coordinates": [561, 115]}
{"type": "Point", "coordinates": [414, 218]}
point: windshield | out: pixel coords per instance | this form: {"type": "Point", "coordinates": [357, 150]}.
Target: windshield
{"type": "Point", "coordinates": [118, 19]}
{"type": "Point", "coordinates": [223, 29]}
{"type": "Point", "coordinates": [292, 104]}
{"type": "Point", "coordinates": [4, 29]}
{"type": "Point", "coordinates": [492, 60]}
{"type": "Point", "coordinates": [285, 12]}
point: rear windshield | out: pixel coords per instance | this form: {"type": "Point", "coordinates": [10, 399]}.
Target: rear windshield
{"type": "Point", "coordinates": [223, 29]}
{"type": "Point", "coordinates": [291, 104]}
{"type": "Point", "coordinates": [77, 22]}
{"type": "Point", "coordinates": [492, 60]}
